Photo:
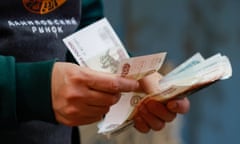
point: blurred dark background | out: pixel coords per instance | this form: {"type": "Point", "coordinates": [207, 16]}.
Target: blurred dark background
{"type": "Point", "coordinates": [182, 28]}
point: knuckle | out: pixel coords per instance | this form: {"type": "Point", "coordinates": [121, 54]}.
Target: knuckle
{"type": "Point", "coordinates": [142, 129]}
{"type": "Point", "coordinates": [92, 83]}
{"type": "Point", "coordinates": [76, 77]}
{"type": "Point", "coordinates": [115, 99]}
{"type": "Point", "coordinates": [159, 126]}
{"type": "Point", "coordinates": [72, 93]}
{"type": "Point", "coordinates": [71, 111]}
{"type": "Point", "coordinates": [115, 86]}
{"type": "Point", "coordinates": [171, 118]}
{"type": "Point", "coordinates": [105, 110]}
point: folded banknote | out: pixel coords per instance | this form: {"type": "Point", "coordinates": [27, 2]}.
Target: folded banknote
{"type": "Point", "coordinates": [97, 46]}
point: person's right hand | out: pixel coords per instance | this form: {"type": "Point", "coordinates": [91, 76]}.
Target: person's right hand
{"type": "Point", "coordinates": [152, 114]}
{"type": "Point", "coordinates": [83, 96]}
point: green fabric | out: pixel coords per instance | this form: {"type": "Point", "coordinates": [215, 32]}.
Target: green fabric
{"type": "Point", "coordinates": [8, 93]}
{"type": "Point", "coordinates": [25, 91]}
{"type": "Point", "coordinates": [34, 91]}
{"type": "Point", "coordinates": [92, 10]}
{"type": "Point", "coordinates": [25, 87]}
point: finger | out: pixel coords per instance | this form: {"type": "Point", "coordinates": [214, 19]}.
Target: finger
{"type": "Point", "coordinates": [97, 98]}
{"type": "Point", "coordinates": [74, 117]}
{"type": "Point", "coordinates": [113, 84]}
{"type": "Point", "coordinates": [154, 122]}
{"type": "Point", "coordinates": [181, 106]}
{"type": "Point", "coordinates": [83, 112]}
{"type": "Point", "coordinates": [85, 108]}
{"type": "Point", "coordinates": [141, 125]}
{"type": "Point", "coordinates": [150, 83]}
{"type": "Point", "coordinates": [82, 94]}
{"type": "Point", "coordinates": [107, 82]}
{"type": "Point", "coordinates": [93, 111]}
{"type": "Point", "coordinates": [158, 109]}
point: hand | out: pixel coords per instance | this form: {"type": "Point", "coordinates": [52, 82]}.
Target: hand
{"type": "Point", "coordinates": [83, 96]}
{"type": "Point", "coordinates": [153, 114]}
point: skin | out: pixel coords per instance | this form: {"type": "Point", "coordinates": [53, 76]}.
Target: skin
{"type": "Point", "coordinates": [152, 115]}
{"type": "Point", "coordinates": [82, 96]}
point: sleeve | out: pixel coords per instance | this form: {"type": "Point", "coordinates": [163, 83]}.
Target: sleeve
{"type": "Point", "coordinates": [92, 10]}
{"type": "Point", "coordinates": [7, 91]}
{"type": "Point", "coordinates": [25, 91]}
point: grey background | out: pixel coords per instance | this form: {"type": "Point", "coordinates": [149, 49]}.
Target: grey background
{"type": "Point", "coordinates": [183, 28]}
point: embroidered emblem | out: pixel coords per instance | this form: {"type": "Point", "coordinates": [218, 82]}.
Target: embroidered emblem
{"type": "Point", "coordinates": [42, 6]}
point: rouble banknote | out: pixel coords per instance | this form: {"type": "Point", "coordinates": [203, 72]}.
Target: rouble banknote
{"type": "Point", "coordinates": [98, 47]}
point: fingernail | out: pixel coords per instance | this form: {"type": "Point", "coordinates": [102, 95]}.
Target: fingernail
{"type": "Point", "coordinates": [136, 86]}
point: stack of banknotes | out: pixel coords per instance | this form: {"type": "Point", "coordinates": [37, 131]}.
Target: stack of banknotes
{"type": "Point", "coordinates": [98, 47]}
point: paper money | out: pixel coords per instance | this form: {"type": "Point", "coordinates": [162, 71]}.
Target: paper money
{"type": "Point", "coordinates": [192, 75]}
{"type": "Point", "coordinates": [98, 47]}
{"type": "Point", "coordinates": [194, 60]}
{"type": "Point", "coordinates": [138, 67]}
{"type": "Point", "coordinates": [134, 68]}
{"type": "Point", "coordinates": [193, 78]}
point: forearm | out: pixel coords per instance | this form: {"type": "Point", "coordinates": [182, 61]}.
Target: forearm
{"type": "Point", "coordinates": [25, 91]}
{"type": "Point", "coordinates": [34, 91]}
{"type": "Point", "coordinates": [7, 91]}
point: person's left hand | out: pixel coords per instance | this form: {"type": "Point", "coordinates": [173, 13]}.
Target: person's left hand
{"type": "Point", "coordinates": [151, 114]}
